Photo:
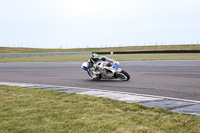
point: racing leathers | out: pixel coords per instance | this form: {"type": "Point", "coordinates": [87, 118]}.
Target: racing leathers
{"type": "Point", "coordinates": [93, 67]}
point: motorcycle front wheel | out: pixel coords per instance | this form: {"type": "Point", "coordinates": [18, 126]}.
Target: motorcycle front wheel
{"type": "Point", "coordinates": [123, 75]}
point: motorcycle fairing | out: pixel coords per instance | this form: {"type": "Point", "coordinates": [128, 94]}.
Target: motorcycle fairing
{"type": "Point", "coordinates": [84, 66]}
{"type": "Point", "coordinates": [116, 66]}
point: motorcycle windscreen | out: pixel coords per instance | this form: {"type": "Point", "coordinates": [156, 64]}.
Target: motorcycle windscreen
{"type": "Point", "coordinates": [116, 66]}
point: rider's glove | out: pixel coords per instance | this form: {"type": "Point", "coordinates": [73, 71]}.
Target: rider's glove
{"type": "Point", "coordinates": [103, 58]}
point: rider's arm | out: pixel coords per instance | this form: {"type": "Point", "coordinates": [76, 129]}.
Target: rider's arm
{"type": "Point", "coordinates": [103, 58]}
{"type": "Point", "coordinates": [90, 63]}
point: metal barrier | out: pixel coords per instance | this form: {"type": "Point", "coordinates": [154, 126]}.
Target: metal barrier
{"type": "Point", "coordinates": [151, 52]}
{"type": "Point", "coordinates": [4, 55]}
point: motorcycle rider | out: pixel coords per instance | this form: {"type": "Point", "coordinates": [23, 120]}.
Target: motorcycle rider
{"type": "Point", "coordinates": [93, 64]}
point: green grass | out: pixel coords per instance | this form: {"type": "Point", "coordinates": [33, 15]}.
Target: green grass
{"type": "Point", "coordinates": [186, 56]}
{"type": "Point", "coordinates": [109, 49]}
{"type": "Point", "coordinates": [36, 110]}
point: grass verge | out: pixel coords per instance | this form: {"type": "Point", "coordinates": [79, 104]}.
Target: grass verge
{"type": "Point", "coordinates": [186, 56]}
{"type": "Point", "coordinates": [36, 110]}
{"type": "Point", "coordinates": [108, 49]}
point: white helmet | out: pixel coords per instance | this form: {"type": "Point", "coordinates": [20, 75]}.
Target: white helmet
{"type": "Point", "coordinates": [94, 57]}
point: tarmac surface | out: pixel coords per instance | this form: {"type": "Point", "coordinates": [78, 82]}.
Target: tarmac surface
{"type": "Point", "coordinates": [176, 79]}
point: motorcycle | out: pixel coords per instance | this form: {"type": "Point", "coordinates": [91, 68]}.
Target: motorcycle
{"type": "Point", "coordinates": [108, 69]}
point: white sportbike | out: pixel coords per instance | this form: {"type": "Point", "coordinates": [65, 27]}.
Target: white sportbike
{"type": "Point", "coordinates": [108, 69]}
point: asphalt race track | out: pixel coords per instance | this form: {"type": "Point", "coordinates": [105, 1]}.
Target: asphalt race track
{"type": "Point", "coordinates": [177, 79]}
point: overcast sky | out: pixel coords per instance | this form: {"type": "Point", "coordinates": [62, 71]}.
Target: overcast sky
{"type": "Point", "coordinates": [96, 23]}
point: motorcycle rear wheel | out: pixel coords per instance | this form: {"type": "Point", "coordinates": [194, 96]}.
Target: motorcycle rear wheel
{"type": "Point", "coordinates": [90, 73]}
{"type": "Point", "coordinates": [94, 79]}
